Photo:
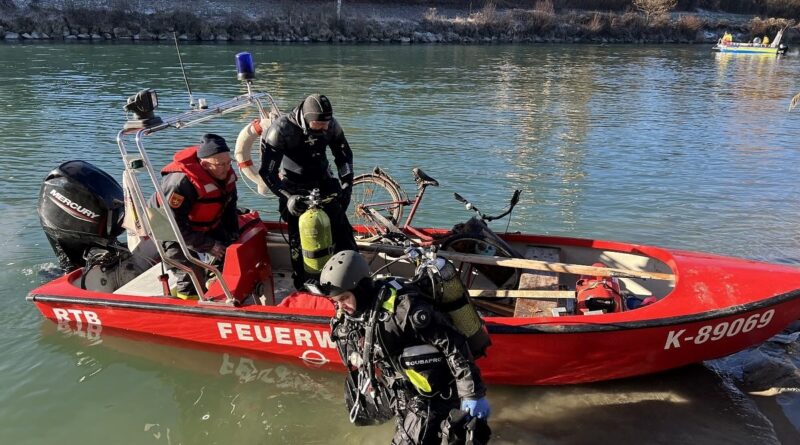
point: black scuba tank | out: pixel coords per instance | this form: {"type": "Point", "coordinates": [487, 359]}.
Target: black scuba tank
{"type": "Point", "coordinates": [80, 207]}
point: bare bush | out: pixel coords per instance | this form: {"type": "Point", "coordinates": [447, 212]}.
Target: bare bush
{"type": "Point", "coordinates": [605, 5]}
{"type": "Point", "coordinates": [769, 26]}
{"type": "Point", "coordinates": [545, 6]}
{"type": "Point", "coordinates": [487, 14]}
{"type": "Point", "coordinates": [655, 8]}
{"type": "Point", "coordinates": [690, 24]}
{"type": "Point", "coordinates": [630, 24]}
{"type": "Point", "coordinates": [532, 22]}
{"type": "Point", "coordinates": [431, 15]}
{"type": "Point", "coordinates": [598, 24]}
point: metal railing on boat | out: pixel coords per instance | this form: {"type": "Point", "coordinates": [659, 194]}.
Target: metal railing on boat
{"type": "Point", "coordinates": [147, 215]}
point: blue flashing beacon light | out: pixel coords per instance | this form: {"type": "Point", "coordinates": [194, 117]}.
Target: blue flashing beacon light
{"type": "Point", "coordinates": [245, 68]}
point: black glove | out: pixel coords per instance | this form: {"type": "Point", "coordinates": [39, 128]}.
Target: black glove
{"type": "Point", "coordinates": [345, 194]}
{"type": "Point", "coordinates": [296, 205]}
{"type": "Point", "coordinates": [232, 237]}
{"type": "Point", "coordinates": [218, 250]}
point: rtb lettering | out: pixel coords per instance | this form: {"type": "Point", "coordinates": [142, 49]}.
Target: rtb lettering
{"type": "Point", "coordinates": [76, 315]}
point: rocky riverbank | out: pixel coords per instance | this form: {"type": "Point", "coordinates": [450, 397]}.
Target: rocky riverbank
{"type": "Point", "coordinates": [311, 21]}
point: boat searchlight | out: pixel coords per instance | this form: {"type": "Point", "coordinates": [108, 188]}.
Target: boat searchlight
{"type": "Point", "coordinates": [142, 105]}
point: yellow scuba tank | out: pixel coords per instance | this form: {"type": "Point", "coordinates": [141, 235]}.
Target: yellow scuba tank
{"type": "Point", "coordinates": [316, 239]}
{"type": "Point", "coordinates": [452, 298]}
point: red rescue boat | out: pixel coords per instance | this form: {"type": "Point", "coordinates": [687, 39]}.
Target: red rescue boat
{"type": "Point", "coordinates": [661, 309]}
{"type": "Point", "coordinates": [715, 307]}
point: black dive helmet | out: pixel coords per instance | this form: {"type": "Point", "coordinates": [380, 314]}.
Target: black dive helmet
{"type": "Point", "coordinates": [80, 206]}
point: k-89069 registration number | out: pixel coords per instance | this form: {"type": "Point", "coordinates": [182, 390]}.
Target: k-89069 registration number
{"type": "Point", "coordinates": [718, 331]}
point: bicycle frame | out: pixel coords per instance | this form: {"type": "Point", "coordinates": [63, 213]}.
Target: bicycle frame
{"type": "Point", "coordinates": [386, 226]}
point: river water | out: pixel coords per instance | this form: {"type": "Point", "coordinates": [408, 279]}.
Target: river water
{"type": "Point", "coordinates": [665, 145]}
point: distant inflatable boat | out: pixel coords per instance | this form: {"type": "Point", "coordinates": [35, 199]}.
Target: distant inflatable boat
{"type": "Point", "coordinates": [774, 49]}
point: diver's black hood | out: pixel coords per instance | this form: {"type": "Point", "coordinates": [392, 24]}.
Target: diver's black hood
{"type": "Point", "coordinates": [366, 293]}
{"type": "Point", "coordinates": [296, 117]}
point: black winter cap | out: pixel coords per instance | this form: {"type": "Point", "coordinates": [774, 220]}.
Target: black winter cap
{"type": "Point", "coordinates": [317, 107]}
{"type": "Point", "coordinates": [211, 144]}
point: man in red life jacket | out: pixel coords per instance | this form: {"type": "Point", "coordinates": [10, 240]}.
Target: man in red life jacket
{"type": "Point", "coordinates": [200, 187]}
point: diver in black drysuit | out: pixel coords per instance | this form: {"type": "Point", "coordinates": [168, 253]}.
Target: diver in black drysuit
{"type": "Point", "coordinates": [294, 162]}
{"type": "Point", "coordinates": [408, 334]}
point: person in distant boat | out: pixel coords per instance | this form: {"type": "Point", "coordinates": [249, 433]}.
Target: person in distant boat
{"type": "Point", "coordinates": [727, 38]}
{"type": "Point", "coordinates": [200, 187]}
{"type": "Point", "coordinates": [294, 162]}
{"type": "Point", "coordinates": [765, 41]}
{"type": "Point", "coordinates": [410, 353]}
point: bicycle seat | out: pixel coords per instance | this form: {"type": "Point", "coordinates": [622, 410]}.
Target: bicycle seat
{"type": "Point", "coordinates": [422, 179]}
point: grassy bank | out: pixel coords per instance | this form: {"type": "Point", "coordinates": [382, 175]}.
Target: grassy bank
{"type": "Point", "coordinates": [410, 22]}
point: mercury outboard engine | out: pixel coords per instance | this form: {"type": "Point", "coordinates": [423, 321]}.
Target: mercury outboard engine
{"type": "Point", "coordinates": [783, 49]}
{"type": "Point", "coordinates": [80, 207]}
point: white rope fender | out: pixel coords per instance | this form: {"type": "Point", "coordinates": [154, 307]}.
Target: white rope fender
{"type": "Point", "coordinates": [243, 152]}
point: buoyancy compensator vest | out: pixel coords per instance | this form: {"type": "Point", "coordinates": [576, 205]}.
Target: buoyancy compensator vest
{"type": "Point", "coordinates": [426, 369]}
{"type": "Point", "coordinates": [439, 278]}
{"type": "Point", "coordinates": [422, 366]}
{"type": "Point", "coordinates": [316, 239]}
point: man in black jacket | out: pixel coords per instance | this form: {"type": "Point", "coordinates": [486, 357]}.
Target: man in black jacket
{"type": "Point", "coordinates": [392, 339]}
{"type": "Point", "coordinates": [294, 162]}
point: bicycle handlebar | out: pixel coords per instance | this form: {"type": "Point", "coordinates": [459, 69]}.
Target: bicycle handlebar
{"type": "Point", "coordinates": [483, 216]}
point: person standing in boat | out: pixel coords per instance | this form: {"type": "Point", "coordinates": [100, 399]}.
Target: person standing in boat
{"type": "Point", "coordinates": [395, 342]}
{"type": "Point", "coordinates": [200, 187]}
{"type": "Point", "coordinates": [294, 162]}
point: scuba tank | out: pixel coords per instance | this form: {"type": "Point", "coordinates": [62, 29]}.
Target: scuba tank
{"type": "Point", "coordinates": [316, 240]}
{"type": "Point", "coordinates": [440, 278]}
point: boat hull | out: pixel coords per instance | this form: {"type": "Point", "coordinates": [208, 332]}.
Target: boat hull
{"type": "Point", "coordinates": [749, 50]}
{"type": "Point", "coordinates": [718, 306]}
{"type": "Point", "coordinates": [533, 354]}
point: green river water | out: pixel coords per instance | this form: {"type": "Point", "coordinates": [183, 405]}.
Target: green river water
{"type": "Point", "coordinates": [664, 145]}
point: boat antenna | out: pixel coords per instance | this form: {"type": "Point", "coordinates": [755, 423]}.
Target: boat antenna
{"type": "Point", "coordinates": [192, 105]}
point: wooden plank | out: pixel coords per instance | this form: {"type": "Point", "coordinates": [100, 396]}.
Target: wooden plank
{"type": "Point", "coordinates": [499, 309]}
{"type": "Point", "coordinates": [533, 279]}
{"type": "Point", "coordinates": [534, 308]}
{"type": "Point", "coordinates": [541, 281]}
{"type": "Point", "coordinates": [523, 293]}
{"type": "Point", "coordinates": [574, 269]}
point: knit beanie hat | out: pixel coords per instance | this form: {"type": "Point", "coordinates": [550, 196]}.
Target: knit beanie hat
{"type": "Point", "coordinates": [210, 145]}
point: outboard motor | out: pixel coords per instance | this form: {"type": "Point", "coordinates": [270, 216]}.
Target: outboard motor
{"type": "Point", "coordinates": [80, 207]}
{"type": "Point", "coordinates": [783, 49]}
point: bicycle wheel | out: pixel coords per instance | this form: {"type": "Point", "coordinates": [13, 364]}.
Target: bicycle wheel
{"type": "Point", "coordinates": [371, 191]}
{"type": "Point", "coordinates": [482, 276]}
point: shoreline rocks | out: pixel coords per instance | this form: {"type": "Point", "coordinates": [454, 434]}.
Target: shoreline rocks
{"type": "Point", "coordinates": [512, 26]}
